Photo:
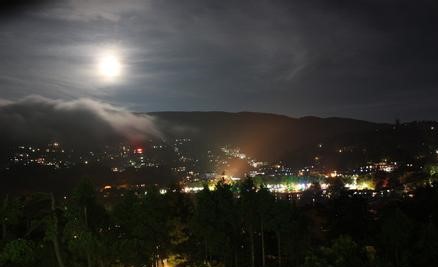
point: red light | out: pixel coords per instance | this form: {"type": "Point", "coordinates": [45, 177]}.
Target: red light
{"type": "Point", "coordinates": [138, 150]}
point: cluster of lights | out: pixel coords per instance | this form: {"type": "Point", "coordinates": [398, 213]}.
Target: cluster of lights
{"type": "Point", "coordinates": [194, 189]}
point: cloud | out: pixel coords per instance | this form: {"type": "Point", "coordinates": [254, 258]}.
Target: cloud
{"type": "Point", "coordinates": [82, 122]}
{"type": "Point", "coordinates": [288, 56]}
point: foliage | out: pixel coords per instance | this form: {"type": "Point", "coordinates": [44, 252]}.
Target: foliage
{"type": "Point", "coordinates": [343, 252]}
{"type": "Point", "coordinates": [228, 226]}
{"type": "Point", "coordinates": [19, 252]}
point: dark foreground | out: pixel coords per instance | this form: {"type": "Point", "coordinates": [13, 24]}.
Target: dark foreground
{"type": "Point", "coordinates": [231, 226]}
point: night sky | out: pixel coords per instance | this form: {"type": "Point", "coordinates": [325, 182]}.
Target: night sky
{"type": "Point", "coordinates": [368, 59]}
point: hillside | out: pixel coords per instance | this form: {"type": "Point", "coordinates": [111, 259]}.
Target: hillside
{"type": "Point", "coordinates": [263, 135]}
{"type": "Point", "coordinates": [298, 140]}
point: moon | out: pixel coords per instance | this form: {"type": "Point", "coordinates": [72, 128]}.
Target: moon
{"type": "Point", "coordinates": [109, 66]}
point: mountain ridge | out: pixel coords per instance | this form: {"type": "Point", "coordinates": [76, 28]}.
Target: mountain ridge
{"type": "Point", "coordinates": [298, 141]}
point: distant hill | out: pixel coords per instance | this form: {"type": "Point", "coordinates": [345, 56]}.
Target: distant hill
{"type": "Point", "coordinates": [265, 135]}
{"type": "Point", "coordinates": [329, 143]}
{"type": "Point", "coordinates": [298, 140]}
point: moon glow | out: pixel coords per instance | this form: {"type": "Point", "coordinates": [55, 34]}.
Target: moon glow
{"type": "Point", "coordinates": [109, 66]}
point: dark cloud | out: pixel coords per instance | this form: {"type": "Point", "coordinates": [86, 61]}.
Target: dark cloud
{"type": "Point", "coordinates": [368, 59]}
{"type": "Point", "coordinates": [10, 8]}
{"type": "Point", "coordinates": [83, 122]}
